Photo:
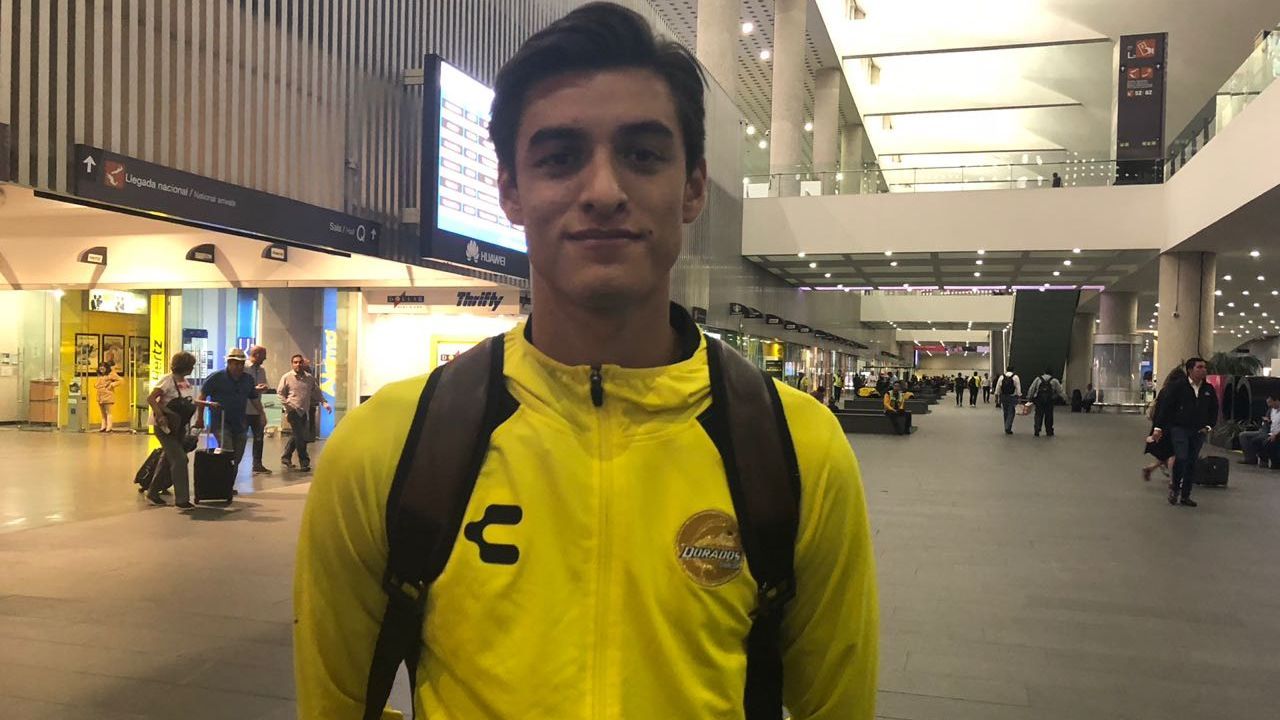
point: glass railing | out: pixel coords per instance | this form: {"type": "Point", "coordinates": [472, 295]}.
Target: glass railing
{"type": "Point", "coordinates": [1255, 75]}
{"type": "Point", "coordinates": [1027, 176]}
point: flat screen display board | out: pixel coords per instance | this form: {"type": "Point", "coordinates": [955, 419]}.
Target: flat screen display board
{"type": "Point", "coordinates": [461, 217]}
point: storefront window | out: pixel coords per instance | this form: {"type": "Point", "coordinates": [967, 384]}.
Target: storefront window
{"type": "Point", "coordinates": [29, 357]}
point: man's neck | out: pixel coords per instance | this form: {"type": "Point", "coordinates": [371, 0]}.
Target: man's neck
{"type": "Point", "coordinates": [640, 336]}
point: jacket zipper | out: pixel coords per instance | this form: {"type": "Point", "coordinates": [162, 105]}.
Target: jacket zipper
{"type": "Point", "coordinates": [602, 561]}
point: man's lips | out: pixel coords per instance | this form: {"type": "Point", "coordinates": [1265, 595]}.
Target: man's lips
{"type": "Point", "coordinates": [605, 234]}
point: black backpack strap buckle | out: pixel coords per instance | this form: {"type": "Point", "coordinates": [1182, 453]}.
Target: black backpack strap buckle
{"type": "Point", "coordinates": [772, 598]}
{"type": "Point", "coordinates": [404, 595]}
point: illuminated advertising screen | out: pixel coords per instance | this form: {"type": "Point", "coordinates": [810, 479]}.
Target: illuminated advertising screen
{"type": "Point", "coordinates": [461, 217]}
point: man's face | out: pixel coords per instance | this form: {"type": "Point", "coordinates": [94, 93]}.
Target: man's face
{"type": "Point", "coordinates": [297, 364]}
{"type": "Point", "coordinates": [258, 356]}
{"type": "Point", "coordinates": [1199, 371]}
{"type": "Point", "coordinates": [235, 368]}
{"type": "Point", "coordinates": [1273, 403]}
{"type": "Point", "coordinates": [599, 185]}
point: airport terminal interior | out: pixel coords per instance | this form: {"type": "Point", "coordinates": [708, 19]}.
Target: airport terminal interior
{"type": "Point", "coordinates": [992, 239]}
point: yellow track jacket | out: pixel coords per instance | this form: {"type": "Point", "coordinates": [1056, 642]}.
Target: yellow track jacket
{"type": "Point", "coordinates": [604, 614]}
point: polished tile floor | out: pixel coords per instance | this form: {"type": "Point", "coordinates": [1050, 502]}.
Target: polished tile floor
{"type": "Point", "coordinates": [1021, 578]}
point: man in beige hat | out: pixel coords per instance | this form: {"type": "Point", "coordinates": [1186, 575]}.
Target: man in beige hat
{"type": "Point", "coordinates": [230, 390]}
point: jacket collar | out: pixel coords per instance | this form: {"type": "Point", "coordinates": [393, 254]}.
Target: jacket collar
{"type": "Point", "coordinates": [636, 400]}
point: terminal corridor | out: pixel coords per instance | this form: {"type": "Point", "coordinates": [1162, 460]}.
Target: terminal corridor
{"type": "Point", "coordinates": [1021, 578]}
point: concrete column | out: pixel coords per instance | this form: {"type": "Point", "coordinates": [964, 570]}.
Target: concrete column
{"type": "Point", "coordinates": [1117, 348]}
{"type": "Point", "coordinates": [1185, 323]}
{"type": "Point", "coordinates": [718, 32]}
{"type": "Point", "coordinates": [1080, 356]}
{"type": "Point", "coordinates": [852, 158]}
{"type": "Point", "coordinates": [786, 123]}
{"type": "Point", "coordinates": [998, 352]}
{"type": "Point", "coordinates": [826, 127]}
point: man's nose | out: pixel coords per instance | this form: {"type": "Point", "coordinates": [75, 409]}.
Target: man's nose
{"type": "Point", "coordinates": [602, 192]}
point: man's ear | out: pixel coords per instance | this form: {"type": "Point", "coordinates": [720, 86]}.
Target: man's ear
{"type": "Point", "coordinates": [509, 195]}
{"type": "Point", "coordinates": [695, 192]}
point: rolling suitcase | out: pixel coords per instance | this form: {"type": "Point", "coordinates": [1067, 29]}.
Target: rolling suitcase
{"type": "Point", "coordinates": [215, 471]}
{"type": "Point", "coordinates": [149, 468]}
{"type": "Point", "coordinates": [1212, 471]}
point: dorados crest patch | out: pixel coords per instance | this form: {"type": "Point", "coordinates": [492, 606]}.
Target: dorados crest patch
{"type": "Point", "coordinates": [709, 548]}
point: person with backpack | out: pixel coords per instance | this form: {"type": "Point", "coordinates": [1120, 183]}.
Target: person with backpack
{"type": "Point", "coordinates": [558, 523]}
{"type": "Point", "coordinates": [173, 404]}
{"type": "Point", "coordinates": [1186, 415]}
{"type": "Point", "coordinates": [1009, 388]}
{"type": "Point", "coordinates": [975, 384]}
{"type": "Point", "coordinates": [1044, 392]}
{"type": "Point", "coordinates": [959, 385]}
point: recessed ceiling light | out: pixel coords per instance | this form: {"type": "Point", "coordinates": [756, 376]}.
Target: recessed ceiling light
{"type": "Point", "coordinates": [977, 274]}
{"type": "Point", "coordinates": [751, 130]}
{"type": "Point", "coordinates": [1075, 250]}
{"type": "Point", "coordinates": [808, 127]}
{"type": "Point", "coordinates": [1244, 292]}
{"type": "Point", "coordinates": [1254, 253]}
{"type": "Point", "coordinates": [982, 252]}
{"type": "Point", "coordinates": [1057, 273]}
{"type": "Point", "coordinates": [1231, 304]}
{"type": "Point", "coordinates": [977, 262]}
{"type": "Point", "coordinates": [888, 252]}
{"type": "Point", "coordinates": [765, 55]}
{"type": "Point", "coordinates": [893, 263]}
{"type": "Point", "coordinates": [1220, 313]}
{"type": "Point", "coordinates": [1227, 278]}
{"type": "Point", "coordinates": [762, 144]}
{"type": "Point", "coordinates": [1257, 305]}
{"type": "Point", "coordinates": [1262, 278]}
{"type": "Point", "coordinates": [799, 254]}
{"type": "Point", "coordinates": [813, 264]}
{"type": "Point", "coordinates": [827, 275]}
{"type": "Point", "coordinates": [748, 27]}
{"type": "Point", "coordinates": [1066, 262]}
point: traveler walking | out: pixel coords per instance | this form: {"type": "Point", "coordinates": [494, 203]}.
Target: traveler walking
{"type": "Point", "coordinates": [986, 388]}
{"type": "Point", "coordinates": [1044, 392]}
{"type": "Point", "coordinates": [601, 539]}
{"type": "Point", "coordinates": [1187, 415]}
{"type": "Point", "coordinates": [959, 385]}
{"type": "Point", "coordinates": [1008, 389]}
{"type": "Point", "coordinates": [172, 406]}
{"type": "Point", "coordinates": [255, 412]}
{"type": "Point", "coordinates": [1162, 449]}
{"type": "Point", "coordinates": [975, 383]}
{"type": "Point", "coordinates": [106, 386]}
{"type": "Point", "coordinates": [1259, 446]}
{"type": "Point", "coordinates": [895, 408]}
{"type": "Point", "coordinates": [229, 392]}
{"type": "Point", "coordinates": [299, 393]}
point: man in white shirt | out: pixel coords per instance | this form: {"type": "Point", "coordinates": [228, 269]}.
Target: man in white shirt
{"type": "Point", "coordinates": [1008, 389]}
{"type": "Point", "coordinates": [1259, 445]}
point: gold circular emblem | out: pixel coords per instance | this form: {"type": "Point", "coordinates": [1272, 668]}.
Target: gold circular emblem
{"type": "Point", "coordinates": [709, 549]}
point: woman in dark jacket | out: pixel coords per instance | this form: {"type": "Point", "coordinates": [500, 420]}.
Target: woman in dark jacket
{"type": "Point", "coordinates": [1162, 449]}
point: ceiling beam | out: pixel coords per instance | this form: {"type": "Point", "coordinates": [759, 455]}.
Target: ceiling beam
{"type": "Point", "coordinates": [1027, 106]}
{"type": "Point", "coordinates": [978, 48]}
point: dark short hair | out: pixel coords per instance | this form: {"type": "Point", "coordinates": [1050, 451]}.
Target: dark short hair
{"type": "Point", "coordinates": [297, 355]}
{"type": "Point", "coordinates": [1191, 363]}
{"type": "Point", "coordinates": [598, 36]}
{"type": "Point", "coordinates": [182, 363]}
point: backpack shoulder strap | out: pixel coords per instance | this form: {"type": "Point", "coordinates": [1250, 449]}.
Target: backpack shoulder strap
{"type": "Point", "coordinates": [747, 424]}
{"type": "Point", "coordinates": [461, 405]}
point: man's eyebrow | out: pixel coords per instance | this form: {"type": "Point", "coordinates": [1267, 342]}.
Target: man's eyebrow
{"type": "Point", "coordinates": [646, 127]}
{"type": "Point", "coordinates": [556, 133]}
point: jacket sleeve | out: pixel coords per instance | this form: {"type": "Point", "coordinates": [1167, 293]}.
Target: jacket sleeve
{"type": "Point", "coordinates": [887, 404]}
{"type": "Point", "coordinates": [829, 635]}
{"type": "Point", "coordinates": [1166, 403]}
{"type": "Point", "coordinates": [342, 553]}
{"type": "Point", "coordinates": [282, 389]}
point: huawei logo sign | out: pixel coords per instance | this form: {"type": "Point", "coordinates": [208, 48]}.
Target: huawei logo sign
{"type": "Point", "coordinates": [473, 251]}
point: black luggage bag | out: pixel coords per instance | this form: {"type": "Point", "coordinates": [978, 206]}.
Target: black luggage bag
{"type": "Point", "coordinates": [149, 468]}
{"type": "Point", "coordinates": [1212, 471]}
{"type": "Point", "coordinates": [215, 472]}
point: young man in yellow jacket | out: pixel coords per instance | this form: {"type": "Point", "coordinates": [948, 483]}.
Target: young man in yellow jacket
{"type": "Point", "coordinates": [599, 573]}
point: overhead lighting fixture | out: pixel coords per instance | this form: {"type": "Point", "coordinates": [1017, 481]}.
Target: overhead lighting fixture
{"type": "Point", "coordinates": [808, 127]}
{"type": "Point", "coordinates": [748, 27]}
{"type": "Point", "coordinates": [1219, 293]}
{"type": "Point", "coordinates": [1075, 250]}
{"type": "Point", "coordinates": [1066, 262]}
{"type": "Point", "coordinates": [1227, 278]}
{"type": "Point", "coordinates": [1262, 278]}
{"type": "Point", "coordinates": [888, 252]}
{"type": "Point", "coordinates": [982, 252]}
{"type": "Point", "coordinates": [751, 130]}
{"type": "Point", "coordinates": [813, 264]}
{"type": "Point", "coordinates": [1257, 305]}
{"type": "Point", "coordinates": [1231, 304]}
{"type": "Point", "coordinates": [765, 55]}
{"type": "Point", "coordinates": [1244, 292]}
{"type": "Point", "coordinates": [1220, 313]}
{"type": "Point", "coordinates": [799, 254]}
{"type": "Point", "coordinates": [893, 263]}
{"type": "Point", "coordinates": [762, 144]}
{"type": "Point", "coordinates": [827, 275]}
{"type": "Point", "coordinates": [1057, 273]}
{"type": "Point", "coordinates": [1254, 253]}
{"type": "Point", "coordinates": [977, 262]}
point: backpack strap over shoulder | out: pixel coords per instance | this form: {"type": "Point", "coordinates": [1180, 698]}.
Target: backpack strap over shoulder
{"type": "Point", "coordinates": [463, 402]}
{"type": "Point", "coordinates": [748, 426]}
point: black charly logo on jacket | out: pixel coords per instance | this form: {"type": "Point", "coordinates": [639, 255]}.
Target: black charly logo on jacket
{"type": "Point", "coordinates": [495, 554]}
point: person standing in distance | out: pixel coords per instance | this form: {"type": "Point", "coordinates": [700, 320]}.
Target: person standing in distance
{"type": "Point", "coordinates": [959, 385]}
{"type": "Point", "coordinates": [599, 130]}
{"type": "Point", "coordinates": [257, 414]}
{"type": "Point", "coordinates": [986, 388]}
{"type": "Point", "coordinates": [1008, 388]}
{"type": "Point", "coordinates": [1187, 415]}
{"type": "Point", "coordinates": [299, 392]}
{"type": "Point", "coordinates": [1045, 390]}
